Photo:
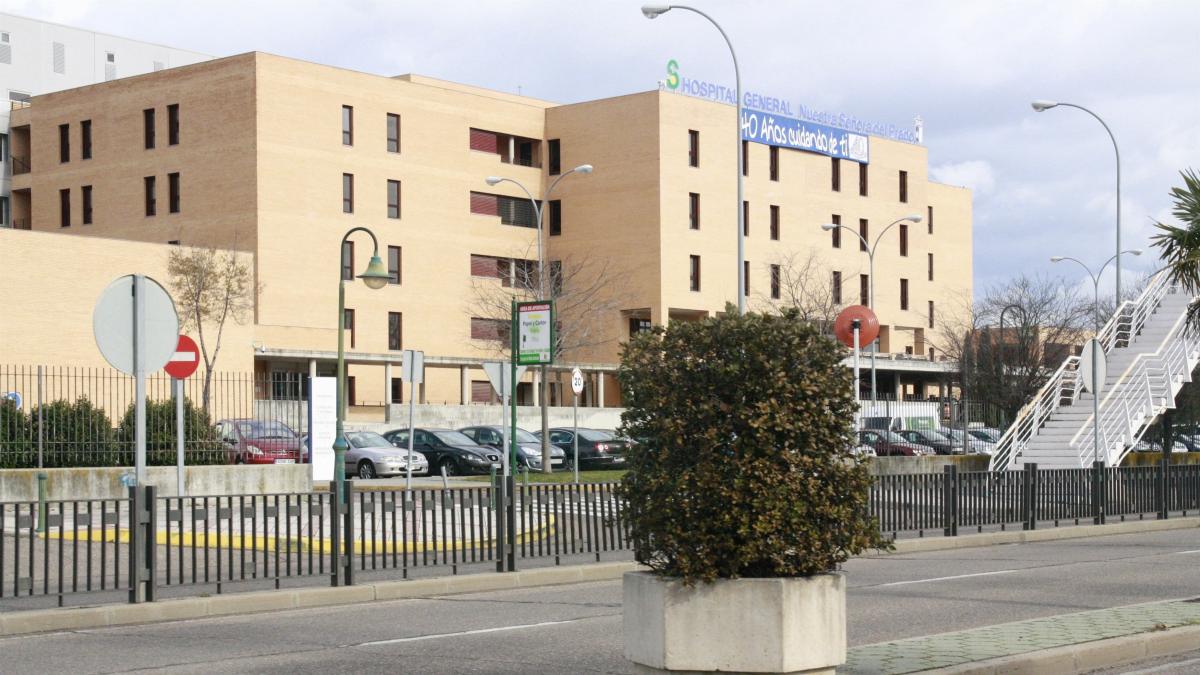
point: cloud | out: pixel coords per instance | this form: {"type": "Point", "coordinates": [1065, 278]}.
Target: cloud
{"type": "Point", "coordinates": [975, 174]}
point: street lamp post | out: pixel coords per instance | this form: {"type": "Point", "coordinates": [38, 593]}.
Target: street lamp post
{"type": "Point", "coordinates": [537, 214]}
{"type": "Point", "coordinates": [1024, 317]}
{"type": "Point", "coordinates": [871, 277]}
{"type": "Point", "coordinates": [375, 277]}
{"type": "Point", "coordinates": [653, 12]}
{"type": "Point", "coordinates": [1095, 340]}
{"type": "Point", "coordinates": [1042, 106]}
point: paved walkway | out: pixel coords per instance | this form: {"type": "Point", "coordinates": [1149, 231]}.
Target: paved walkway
{"type": "Point", "coordinates": [1020, 637]}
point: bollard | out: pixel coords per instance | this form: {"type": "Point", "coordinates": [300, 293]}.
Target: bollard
{"type": "Point", "coordinates": [493, 494]}
{"type": "Point", "coordinates": [41, 479]}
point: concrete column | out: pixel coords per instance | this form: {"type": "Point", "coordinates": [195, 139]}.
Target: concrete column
{"type": "Point", "coordinates": [464, 386]}
{"type": "Point", "coordinates": [387, 392]}
{"type": "Point", "coordinates": [537, 399]}
{"type": "Point", "coordinates": [600, 390]}
{"type": "Point", "coordinates": [421, 400]}
{"type": "Point", "coordinates": [899, 387]}
{"type": "Point", "coordinates": [312, 368]}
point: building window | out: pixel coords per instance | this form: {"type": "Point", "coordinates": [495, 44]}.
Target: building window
{"type": "Point", "coordinates": [836, 165]}
{"type": "Point", "coordinates": [64, 142]}
{"type": "Point", "coordinates": [931, 353]}
{"type": "Point", "coordinates": [904, 294]}
{"type": "Point", "coordinates": [555, 207]}
{"type": "Point", "coordinates": [347, 261]}
{"type": "Point", "coordinates": [837, 287]}
{"type": "Point", "coordinates": [173, 124]}
{"type": "Point", "coordinates": [862, 180]}
{"type": "Point", "coordinates": [694, 210]}
{"type": "Point", "coordinates": [347, 193]}
{"type": "Point", "coordinates": [693, 147]}
{"type": "Point", "coordinates": [930, 256]}
{"type": "Point", "coordinates": [864, 290]}
{"type": "Point", "coordinates": [512, 211]}
{"type": "Point", "coordinates": [745, 219]}
{"type": "Point", "coordinates": [395, 322]}
{"type": "Point", "coordinates": [774, 162]}
{"type": "Point", "coordinates": [489, 329]}
{"type": "Point", "coordinates": [393, 195]}
{"type": "Point", "coordinates": [148, 122]}
{"type": "Point", "coordinates": [903, 239]}
{"type": "Point", "coordinates": [398, 390]}
{"type": "Point", "coordinates": [351, 389]}
{"type": "Point", "coordinates": [931, 317]}
{"type": "Point", "coordinates": [87, 204]}
{"type": "Point", "coordinates": [862, 232]}
{"type": "Point", "coordinates": [695, 272]}
{"type": "Point", "coordinates": [775, 282]}
{"type": "Point", "coordinates": [348, 323]}
{"type": "Point", "coordinates": [64, 207]}
{"type": "Point", "coordinates": [745, 158]}
{"type": "Point", "coordinates": [555, 156]}
{"type": "Point", "coordinates": [836, 231]}
{"type": "Point", "coordinates": [929, 220]}
{"type": "Point", "coordinates": [150, 197]}
{"type": "Point", "coordinates": [173, 192]}
{"type": "Point", "coordinates": [3, 147]}
{"type": "Point", "coordinates": [85, 131]}
{"type": "Point", "coordinates": [393, 132]}
{"type": "Point", "coordinates": [4, 215]}
{"type": "Point", "coordinates": [637, 325]}
{"type": "Point", "coordinates": [347, 125]}
{"type": "Point", "coordinates": [903, 186]}
{"type": "Point", "coordinates": [746, 278]}
{"type": "Point", "coordinates": [393, 264]}
{"type": "Point", "coordinates": [774, 222]}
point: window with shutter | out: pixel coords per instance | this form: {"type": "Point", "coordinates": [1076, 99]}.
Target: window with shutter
{"type": "Point", "coordinates": [484, 141]}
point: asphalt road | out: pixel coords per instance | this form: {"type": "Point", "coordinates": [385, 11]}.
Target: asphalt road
{"type": "Point", "coordinates": [577, 628]}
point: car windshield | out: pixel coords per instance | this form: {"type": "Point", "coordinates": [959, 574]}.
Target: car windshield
{"type": "Point", "coordinates": [928, 436]}
{"type": "Point", "coordinates": [367, 439]}
{"type": "Point", "coordinates": [453, 438]}
{"type": "Point", "coordinates": [981, 435]}
{"type": "Point", "coordinates": [891, 436]}
{"type": "Point", "coordinates": [265, 430]}
{"type": "Point", "coordinates": [526, 437]}
{"type": "Point", "coordinates": [596, 435]}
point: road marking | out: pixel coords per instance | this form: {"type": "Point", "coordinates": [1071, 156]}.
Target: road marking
{"type": "Point", "coordinates": [1165, 668]}
{"type": "Point", "coordinates": [1182, 552]}
{"type": "Point", "coordinates": [957, 576]}
{"type": "Point", "coordinates": [478, 631]}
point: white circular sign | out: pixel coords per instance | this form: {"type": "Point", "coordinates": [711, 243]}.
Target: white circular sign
{"type": "Point", "coordinates": [1085, 366]}
{"type": "Point", "coordinates": [577, 381]}
{"type": "Point", "coordinates": [112, 324]}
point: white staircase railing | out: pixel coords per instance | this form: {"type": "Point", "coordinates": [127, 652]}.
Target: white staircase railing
{"type": "Point", "coordinates": [1063, 386]}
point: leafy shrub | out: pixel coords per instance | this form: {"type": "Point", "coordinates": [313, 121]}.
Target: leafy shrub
{"type": "Point", "coordinates": [73, 434]}
{"type": "Point", "coordinates": [16, 437]}
{"type": "Point", "coordinates": [743, 466]}
{"type": "Point", "coordinates": [201, 444]}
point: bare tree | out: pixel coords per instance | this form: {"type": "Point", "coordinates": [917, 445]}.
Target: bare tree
{"type": "Point", "coordinates": [805, 284]}
{"type": "Point", "coordinates": [210, 288]}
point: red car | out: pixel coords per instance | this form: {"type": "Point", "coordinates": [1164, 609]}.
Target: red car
{"type": "Point", "coordinates": [250, 441]}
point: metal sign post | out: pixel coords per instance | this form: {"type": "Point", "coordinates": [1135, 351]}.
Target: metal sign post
{"type": "Point", "coordinates": [857, 325]}
{"type": "Point", "coordinates": [577, 387]}
{"type": "Point", "coordinates": [181, 366]}
{"type": "Point", "coordinates": [412, 369]}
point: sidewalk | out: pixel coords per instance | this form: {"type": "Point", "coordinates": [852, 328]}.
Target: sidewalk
{"type": "Point", "coordinates": [1060, 644]}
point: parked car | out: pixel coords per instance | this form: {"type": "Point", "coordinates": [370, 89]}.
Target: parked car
{"type": "Point", "coordinates": [888, 443]}
{"type": "Point", "coordinates": [249, 441]}
{"type": "Point", "coordinates": [530, 446]}
{"type": "Point", "coordinates": [974, 445]}
{"type": "Point", "coordinates": [447, 451]}
{"type": "Point", "coordinates": [863, 450]}
{"type": "Point", "coordinates": [986, 434]}
{"type": "Point", "coordinates": [940, 444]}
{"type": "Point", "coordinates": [597, 448]}
{"type": "Point", "coordinates": [371, 455]}
{"type": "Point", "coordinates": [1154, 446]}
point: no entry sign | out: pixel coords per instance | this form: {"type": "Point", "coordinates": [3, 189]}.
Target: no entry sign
{"type": "Point", "coordinates": [185, 359]}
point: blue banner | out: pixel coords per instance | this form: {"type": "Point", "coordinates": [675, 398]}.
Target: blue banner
{"type": "Point", "coordinates": [788, 132]}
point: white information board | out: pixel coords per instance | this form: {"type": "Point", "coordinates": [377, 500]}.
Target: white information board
{"type": "Point", "coordinates": [322, 426]}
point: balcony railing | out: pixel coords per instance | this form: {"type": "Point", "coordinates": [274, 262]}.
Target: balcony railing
{"type": "Point", "coordinates": [17, 105]}
{"type": "Point", "coordinates": [20, 165]}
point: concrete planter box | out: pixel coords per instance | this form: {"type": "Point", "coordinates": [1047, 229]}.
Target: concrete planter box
{"type": "Point", "coordinates": [793, 625]}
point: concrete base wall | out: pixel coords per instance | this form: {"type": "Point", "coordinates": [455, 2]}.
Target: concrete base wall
{"type": "Point", "coordinates": [893, 466]}
{"type": "Point", "coordinates": [528, 417]}
{"type": "Point", "coordinates": [105, 483]}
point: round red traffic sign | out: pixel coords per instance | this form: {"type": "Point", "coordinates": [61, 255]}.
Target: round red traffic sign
{"type": "Point", "coordinates": [868, 328]}
{"type": "Point", "coordinates": [185, 359]}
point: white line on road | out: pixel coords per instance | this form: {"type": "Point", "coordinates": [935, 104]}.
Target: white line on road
{"type": "Point", "coordinates": [1182, 552]}
{"type": "Point", "coordinates": [957, 576]}
{"type": "Point", "coordinates": [469, 632]}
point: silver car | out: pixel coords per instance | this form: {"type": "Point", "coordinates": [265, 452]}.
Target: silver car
{"type": "Point", "coordinates": [371, 456]}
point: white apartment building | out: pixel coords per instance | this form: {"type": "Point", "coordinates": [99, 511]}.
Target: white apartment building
{"type": "Point", "coordinates": [39, 57]}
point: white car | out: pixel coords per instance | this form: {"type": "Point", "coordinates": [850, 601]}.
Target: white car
{"type": "Point", "coordinates": [371, 456]}
{"type": "Point", "coordinates": [862, 450]}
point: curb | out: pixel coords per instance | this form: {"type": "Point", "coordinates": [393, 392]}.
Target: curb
{"type": "Point", "coordinates": [104, 616]}
{"type": "Point", "coordinates": [1033, 536]}
{"type": "Point", "coordinates": [1087, 656]}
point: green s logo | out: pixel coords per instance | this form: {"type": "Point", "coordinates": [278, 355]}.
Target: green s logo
{"type": "Point", "coordinates": [672, 74]}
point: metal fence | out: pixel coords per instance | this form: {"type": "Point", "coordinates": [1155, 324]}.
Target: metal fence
{"type": "Point", "coordinates": [79, 417]}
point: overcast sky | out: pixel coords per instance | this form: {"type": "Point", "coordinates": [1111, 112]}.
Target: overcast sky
{"type": "Point", "coordinates": [1044, 183]}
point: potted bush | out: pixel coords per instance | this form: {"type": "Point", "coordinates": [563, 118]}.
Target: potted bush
{"type": "Point", "coordinates": [742, 495]}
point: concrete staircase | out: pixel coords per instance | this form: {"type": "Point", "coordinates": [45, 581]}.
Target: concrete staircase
{"type": "Point", "coordinates": [1149, 354]}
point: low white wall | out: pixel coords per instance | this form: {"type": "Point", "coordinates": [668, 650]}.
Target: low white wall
{"type": "Point", "coordinates": [105, 482]}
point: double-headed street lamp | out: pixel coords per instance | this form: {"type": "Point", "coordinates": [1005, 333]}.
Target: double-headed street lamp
{"type": "Point", "coordinates": [653, 12]}
{"type": "Point", "coordinates": [537, 214]}
{"type": "Point", "coordinates": [1042, 106]}
{"type": "Point", "coordinates": [375, 277]}
{"type": "Point", "coordinates": [1095, 384]}
{"type": "Point", "coordinates": [829, 227]}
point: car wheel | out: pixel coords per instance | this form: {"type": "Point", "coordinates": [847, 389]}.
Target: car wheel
{"type": "Point", "coordinates": [448, 467]}
{"type": "Point", "coordinates": [366, 470]}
